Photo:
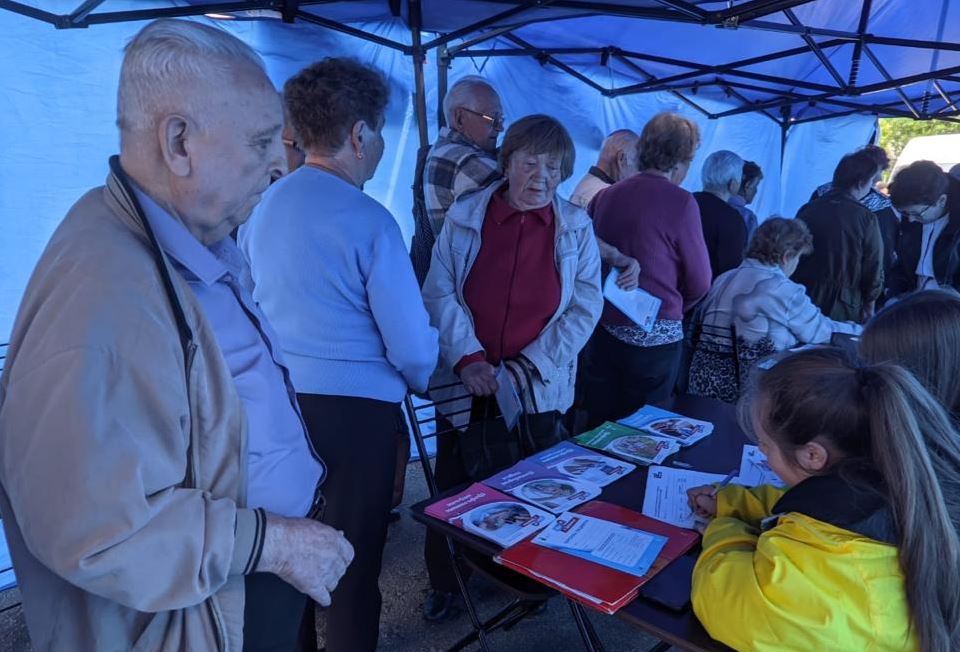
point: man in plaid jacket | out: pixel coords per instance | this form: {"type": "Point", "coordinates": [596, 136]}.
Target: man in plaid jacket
{"type": "Point", "coordinates": [463, 159]}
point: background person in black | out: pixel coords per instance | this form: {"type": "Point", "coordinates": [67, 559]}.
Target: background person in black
{"type": "Point", "coordinates": [882, 207]}
{"type": "Point", "coordinates": [844, 274]}
{"type": "Point", "coordinates": [723, 227]}
{"type": "Point", "coordinates": [929, 252]}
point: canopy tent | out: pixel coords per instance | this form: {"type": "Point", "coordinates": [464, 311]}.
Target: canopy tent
{"type": "Point", "coordinates": [596, 66]}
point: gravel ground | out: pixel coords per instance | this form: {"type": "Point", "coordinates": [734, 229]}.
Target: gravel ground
{"type": "Point", "coordinates": [404, 585]}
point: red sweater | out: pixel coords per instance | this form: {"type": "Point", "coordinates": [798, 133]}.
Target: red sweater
{"type": "Point", "coordinates": [656, 222]}
{"type": "Point", "coordinates": [513, 288]}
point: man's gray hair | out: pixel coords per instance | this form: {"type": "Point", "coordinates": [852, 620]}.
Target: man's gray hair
{"type": "Point", "coordinates": [459, 94]}
{"type": "Point", "coordinates": [721, 169]}
{"type": "Point", "coordinates": [618, 141]}
{"type": "Point", "coordinates": [166, 60]}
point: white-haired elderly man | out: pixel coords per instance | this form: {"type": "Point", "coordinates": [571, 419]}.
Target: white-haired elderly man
{"type": "Point", "coordinates": [464, 158]}
{"type": "Point", "coordinates": [618, 160]}
{"type": "Point", "coordinates": [157, 480]}
{"type": "Point", "coordinates": [723, 228]}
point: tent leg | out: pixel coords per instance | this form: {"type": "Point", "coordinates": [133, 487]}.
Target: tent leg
{"type": "Point", "coordinates": [443, 68]}
{"type": "Point", "coordinates": [420, 95]}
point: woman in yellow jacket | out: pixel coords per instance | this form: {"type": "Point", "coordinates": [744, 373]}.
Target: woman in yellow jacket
{"type": "Point", "coordinates": [861, 552]}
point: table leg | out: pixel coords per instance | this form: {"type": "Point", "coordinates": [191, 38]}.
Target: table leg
{"type": "Point", "coordinates": [591, 641]}
{"type": "Point", "coordinates": [468, 602]}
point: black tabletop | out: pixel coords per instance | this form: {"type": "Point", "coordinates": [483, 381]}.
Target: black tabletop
{"type": "Point", "coordinates": [718, 453]}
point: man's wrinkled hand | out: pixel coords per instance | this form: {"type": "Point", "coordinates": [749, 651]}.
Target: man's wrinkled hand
{"type": "Point", "coordinates": [306, 554]}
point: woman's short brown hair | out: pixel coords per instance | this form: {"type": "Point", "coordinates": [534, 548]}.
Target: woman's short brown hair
{"type": "Point", "coordinates": [778, 238]}
{"type": "Point", "coordinates": [667, 140]}
{"type": "Point", "coordinates": [539, 134]}
{"type": "Point", "coordinates": [325, 100]}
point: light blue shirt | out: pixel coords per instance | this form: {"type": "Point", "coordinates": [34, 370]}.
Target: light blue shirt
{"type": "Point", "coordinates": [332, 273]}
{"type": "Point", "coordinates": [283, 470]}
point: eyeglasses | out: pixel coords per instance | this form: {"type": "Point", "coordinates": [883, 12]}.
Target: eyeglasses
{"type": "Point", "coordinates": [289, 142]}
{"type": "Point", "coordinates": [495, 121]}
{"type": "Point", "coordinates": [917, 217]}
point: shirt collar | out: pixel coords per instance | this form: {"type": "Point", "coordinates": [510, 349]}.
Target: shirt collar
{"type": "Point", "coordinates": [737, 201]}
{"type": "Point", "coordinates": [600, 174]}
{"type": "Point", "coordinates": [208, 264]}
{"type": "Point", "coordinates": [456, 137]}
{"type": "Point", "coordinates": [501, 210]}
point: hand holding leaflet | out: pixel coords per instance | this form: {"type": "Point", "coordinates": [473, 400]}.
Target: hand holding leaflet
{"type": "Point", "coordinates": [639, 305]}
{"type": "Point", "coordinates": [507, 399]}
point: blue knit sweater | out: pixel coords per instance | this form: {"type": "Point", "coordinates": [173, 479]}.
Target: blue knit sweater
{"type": "Point", "coordinates": [332, 274]}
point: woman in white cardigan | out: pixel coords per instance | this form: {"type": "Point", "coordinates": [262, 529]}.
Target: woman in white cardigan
{"type": "Point", "coordinates": [761, 307]}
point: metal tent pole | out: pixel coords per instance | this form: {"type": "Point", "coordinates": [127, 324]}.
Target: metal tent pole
{"type": "Point", "coordinates": [420, 94]}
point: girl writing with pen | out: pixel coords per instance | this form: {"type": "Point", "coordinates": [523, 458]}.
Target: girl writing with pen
{"type": "Point", "coordinates": [861, 552]}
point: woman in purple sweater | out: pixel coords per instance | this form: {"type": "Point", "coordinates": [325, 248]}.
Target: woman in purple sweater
{"type": "Point", "coordinates": [650, 218]}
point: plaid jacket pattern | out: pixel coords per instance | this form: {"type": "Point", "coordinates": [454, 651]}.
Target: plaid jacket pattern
{"type": "Point", "coordinates": [453, 167]}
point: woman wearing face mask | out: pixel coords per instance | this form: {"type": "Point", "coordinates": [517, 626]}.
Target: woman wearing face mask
{"type": "Point", "coordinates": [648, 217]}
{"type": "Point", "coordinates": [844, 276]}
{"type": "Point", "coordinates": [861, 552]}
{"type": "Point", "coordinates": [332, 273]}
{"type": "Point", "coordinates": [514, 281]}
{"type": "Point", "coordinates": [767, 311]}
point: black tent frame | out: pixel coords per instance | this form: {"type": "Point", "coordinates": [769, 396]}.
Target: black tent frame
{"type": "Point", "coordinates": [787, 105]}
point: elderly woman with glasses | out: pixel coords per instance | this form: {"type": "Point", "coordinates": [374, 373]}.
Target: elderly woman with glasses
{"type": "Point", "coordinates": [514, 287]}
{"type": "Point", "coordinates": [332, 273]}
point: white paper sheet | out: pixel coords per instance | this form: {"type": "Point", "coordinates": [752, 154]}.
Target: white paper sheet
{"type": "Point", "coordinates": [666, 495]}
{"type": "Point", "coordinates": [639, 305]}
{"type": "Point", "coordinates": [755, 470]}
{"type": "Point", "coordinates": [507, 399]}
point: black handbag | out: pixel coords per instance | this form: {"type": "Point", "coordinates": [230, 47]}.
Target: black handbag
{"type": "Point", "coordinates": [486, 446]}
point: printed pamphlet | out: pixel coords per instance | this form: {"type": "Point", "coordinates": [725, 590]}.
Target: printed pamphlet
{"type": "Point", "coordinates": [755, 470]}
{"type": "Point", "coordinates": [666, 495]}
{"type": "Point", "coordinates": [603, 542]}
{"type": "Point", "coordinates": [581, 464]}
{"type": "Point", "coordinates": [629, 443]}
{"type": "Point", "coordinates": [543, 487]}
{"type": "Point", "coordinates": [661, 422]}
{"type": "Point", "coordinates": [490, 514]}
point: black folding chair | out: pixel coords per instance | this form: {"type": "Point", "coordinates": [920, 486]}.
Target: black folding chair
{"type": "Point", "coordinates": [526, 595]}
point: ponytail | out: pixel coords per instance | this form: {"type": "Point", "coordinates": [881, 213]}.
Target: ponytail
{"type": "Point", "coordinates": [916, 451]}
{"type": "Point", "coordinates": [883, 416]}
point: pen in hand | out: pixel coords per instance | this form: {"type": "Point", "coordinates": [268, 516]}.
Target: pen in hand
{"type": "Point", "coordinates": [724, 483]}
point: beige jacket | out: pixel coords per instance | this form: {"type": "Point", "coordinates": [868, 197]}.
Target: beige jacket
{"type": "Point", "coordinates": [554, 352]}
{"type": "Point", "coordinates": [122, 449]}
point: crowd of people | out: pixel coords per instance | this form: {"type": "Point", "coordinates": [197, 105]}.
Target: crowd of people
{"type": "Point", "coordinates": [201, 431]}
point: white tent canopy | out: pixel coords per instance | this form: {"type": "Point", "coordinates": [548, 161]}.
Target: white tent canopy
{"type": "Point", "coordinates": [595, 66]}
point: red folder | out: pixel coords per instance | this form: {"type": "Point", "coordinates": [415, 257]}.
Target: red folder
{"type": "Point", "coordinates": [593, 585]}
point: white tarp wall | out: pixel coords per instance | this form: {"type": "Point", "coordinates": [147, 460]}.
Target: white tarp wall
{"type": "Point", "coordinates": [58, 107]}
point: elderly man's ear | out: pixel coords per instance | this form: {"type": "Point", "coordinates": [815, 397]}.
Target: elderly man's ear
{"type": "Point", "coordinates": [174, 148]}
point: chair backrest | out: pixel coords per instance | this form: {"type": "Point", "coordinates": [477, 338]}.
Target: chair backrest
{"type": "Point", "coordinates": [427, 423]}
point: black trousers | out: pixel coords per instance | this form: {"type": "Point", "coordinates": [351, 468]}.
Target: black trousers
{"type": "Point", "coordinates": [357, 440]}
{"type": "Point", "coordinates": [621, 378]}
{"type": "Point", "coordinates": [272, 615]}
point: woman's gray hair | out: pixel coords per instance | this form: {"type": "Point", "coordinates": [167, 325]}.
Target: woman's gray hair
{"type": "Point", "coordinates": [721, 169]}
{"type": "Point", "coordinates": [169, 59]}
{"type": "Point", "coordinates": [459, 94]}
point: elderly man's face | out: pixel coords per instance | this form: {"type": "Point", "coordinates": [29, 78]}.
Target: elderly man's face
{"type": "Point", "coordinates": [234, 154]}
{"type": "Point", "coordinates": [532, 178]}
{"type": "Point", "coordinates": [480, 118]}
